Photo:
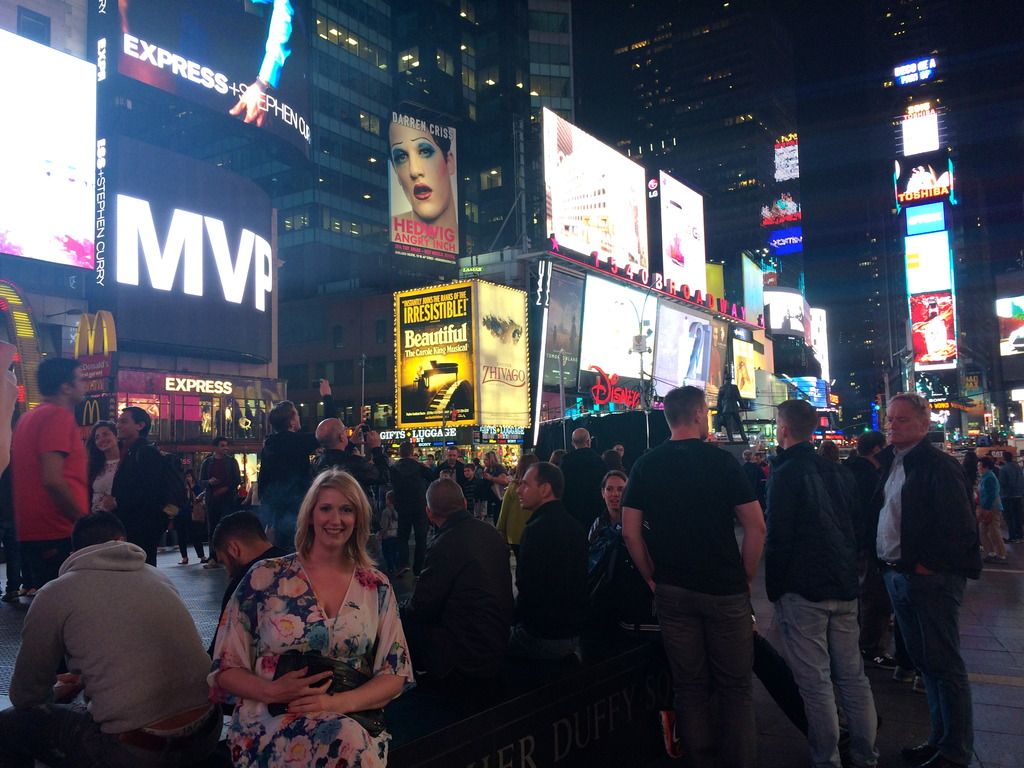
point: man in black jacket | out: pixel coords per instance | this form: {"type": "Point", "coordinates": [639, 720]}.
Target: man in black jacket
{"type": "Point", "coordinates": [138, 507]}
{"type": "Point", "coordinates": [811, 577]}
{"type": "Point", "coordinates": [284, 475]}
{"type": "Point", "coordinates": [927, 539]}
{"type": "Point", "coordinates": [583, 470]}
{"type": "Point", "coordinates": [341, 452]}
{"type": "Point", "coordinates": [409, 481]}
{"type": "Point", "coordinates": [551, 571]}
{"type": "Point", "coordinates": [458, 618]}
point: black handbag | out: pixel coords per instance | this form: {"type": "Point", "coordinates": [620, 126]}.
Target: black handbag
{"type": "Point", "coordinates": [343, 678]}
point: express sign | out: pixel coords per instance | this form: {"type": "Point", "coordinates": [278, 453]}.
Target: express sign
{"type": "Point", "coordinates": [202, 386]}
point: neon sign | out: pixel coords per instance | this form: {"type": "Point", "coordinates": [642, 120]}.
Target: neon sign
{"type": "Point", "coordinates": [606, 390]}
{"type": "Point", "coordinates": [914, 71]}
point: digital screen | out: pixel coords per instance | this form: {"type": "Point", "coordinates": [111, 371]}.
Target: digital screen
{"type": "Point", "coordinates": [919, 130]}
{"type": "Point", "coordinates": [434, 367]}
{"type": "Point", "coordinates": [753, 288]}
{"type": "Point", "coordinates": [502, 356]}
{"type": "Point", "coordinates": [787, 158]}
{"type": "Point", "coordinates": [814, 391]}
{"type": "Point", "coordinates": [743, 368]}
{"type": "Point", "coordinates": [1010, 313]}
{"type": "Point", "coordinates": [682, 234]}
{"type": "Point", "coordinates": [928, 263]}
{"type": "Point", "coordinates": [783, 210]}
{"type": "Point", "coordinates": [596, 198]}
{"type": "Point", "coordinates": [682, 356]}
{"type": "Point", "coordinates": [565, 315]}
{"type": "Point", "coordinates": [423, 188]}
{"type": "Point", "coordinates": [936, 387]}
{"type": "Point", "coordinates": [922, 219]}
{"type": "Point", "coordinates": [788, 313]}
{"type": "Point", "coordinates": [48, 161]}
{"type": "Point", "coordinates": [933, 330]}
{"type": "Point", "coordinates": [616, 321]}
{"type": "Point", "coordinates": [914, 71]}
{"type": "Point", "coordinates": [923, 178]}
{"type": "Point", "coordinates": [246, 61]}
{"type": "Point", "coordinates": [819, 340]}
{"type": "Point", "coordinates": [784, 241]}
{"type": "Point", "coordinates": [185, 259]}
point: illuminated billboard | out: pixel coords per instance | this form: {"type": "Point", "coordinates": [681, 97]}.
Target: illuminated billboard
{"type": "Point", "coordinates": [682, 355]}
{"type": "Point", "coordinates": [788, 313]}
{"type": "Point", "coordinates": [434, 364]}
{"type": "Point", "coordinates": [595, 198]}
{"type": "Point", "coordinates": [185, 258]}
{"type": "Point", "coordinates": [928, 263]}
{"type": "Point", "coordinates": [913, 72]}
{"type": "Point", "coordinates": [423, 188]}
{"type": "Point", "coordinates": [753, 287]}
{"type": "Point", "coordinates": [933, 330]}
{"type": "Point", "coordinates": [682, 234]}
{"type": "Point", "coordinates": [1010, 313]}
{"type": "Point", "coordinates": [48, 161]}
{"type": "Point", "coordinates": [562, 346]}
{"type": "Point", "coordinates": [783, 210]}
{"type": "Point", "coordinates": [787, 240]}
{"type": "Point", "coordinates": [245, 61]}
{"type": "Point", "coordinates": [922, 219]}
{"type": "Point", "coordinates": [819, 340]}
{"type": "Point", "coordinates": [743, 368]}
{"type": "Point", "coordinates": [924, 178]}
{"type": "Point", "coordinates": [616, 322]}
{"type": "Point", "coordinates": [502, 356]}
{"type": "Point", "coordinates": [787, 157]}
{"type": "Point", "coordinates": [814, 391]}
{"type": "Point", "coordinates": [919, 129]}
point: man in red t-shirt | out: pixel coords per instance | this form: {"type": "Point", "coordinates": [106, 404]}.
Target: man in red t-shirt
{"type": "Point", "coordinates": [48, 462]}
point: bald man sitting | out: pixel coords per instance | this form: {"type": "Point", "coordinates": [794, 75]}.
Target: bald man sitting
{"type": "Point", "coordinates": [584, 470]}
{"type": "Point", "coordinates": [458, 619]}
{"type": "Point", "coordinates": [343, 452]}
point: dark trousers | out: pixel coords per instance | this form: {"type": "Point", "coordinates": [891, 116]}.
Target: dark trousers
{"type": "Point", "coordinates": [12, 555]}
{"type": "Point", "coordinates": [1012, 514]}
{"type": "Point", "coordinates": [189, 532]}
{"type": "Point", "coordinates": [928, 611]}
{"type": "Point", "coordinates": [875, 606]}
{"type": "Point", "coordinates": [777, 678]}
{"type": "Point", "coordinates": [41, 560]}
{"type": "Point", "coordinates": [416, 523]}
{"type": "Point", "coordinates": [710, 647]}
{"type": "Point", "coordinates": [66, 736]}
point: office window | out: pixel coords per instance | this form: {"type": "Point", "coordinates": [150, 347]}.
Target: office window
{"type": "Point", "coordinates": [409, 59]}
{"type": "Point", "coordinates": [338, 336]}
{"type": "Point", "coordinates": [490, 179]}
{"type": "Point", "coordinates": [34, 26]}
{"type": "Point", "coordinates": [445, 62]}
{"type": "Point", "coordinates": [380, 328]}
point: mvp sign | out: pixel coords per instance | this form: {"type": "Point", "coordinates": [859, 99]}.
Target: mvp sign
{"type": "Point", "coordinates": [187, 249]}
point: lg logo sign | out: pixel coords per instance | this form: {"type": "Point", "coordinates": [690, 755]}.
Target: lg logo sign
{"type": "Point", "coordinates": [183, 248]}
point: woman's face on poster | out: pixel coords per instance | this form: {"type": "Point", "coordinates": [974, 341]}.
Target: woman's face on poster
{"type": "Point", "coordinates": [423, 170]}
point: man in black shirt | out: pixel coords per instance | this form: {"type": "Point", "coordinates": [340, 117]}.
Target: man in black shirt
{"type": "Point", "coordinates": [551, 571]}
{"type": "Point", "coordinates": [409, 481]}
{"type": "Point", "coordinates": [284, 470]}
{"type": "Point", "coordinates": [341, 452]}
{"type": "Point", "coordinates": [677, 520]}
{"type": "Point", "coordinates": [583, 470]}
{"type": "Point", "coordinates": [458, 618]}
{"type": "Point", "coordinates": [239, 543]}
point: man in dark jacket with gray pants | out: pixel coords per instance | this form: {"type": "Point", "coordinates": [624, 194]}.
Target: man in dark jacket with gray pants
{"type": "Point", "coordinates": [811, 576]}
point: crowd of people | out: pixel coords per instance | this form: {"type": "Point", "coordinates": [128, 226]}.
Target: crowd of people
{"type": "Point", "coordinates": [312, 642]}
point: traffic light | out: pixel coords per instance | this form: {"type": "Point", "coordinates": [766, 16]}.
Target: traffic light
{"type": "Point", "coordinates": [364, 415]}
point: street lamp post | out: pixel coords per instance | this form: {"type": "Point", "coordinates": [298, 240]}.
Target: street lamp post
{"type": "Point", "coordinates": [561, 391]}
{"type": "Point", "coordinates": [362, 384]}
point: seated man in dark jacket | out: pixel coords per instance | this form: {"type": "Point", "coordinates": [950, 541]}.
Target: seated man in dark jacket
{"type": "Point", "coordinates": [811, 576]}
{"type": "Point", "coordinates": [551, 570]}
{"type": "Point", "coordinates": [458, 618]}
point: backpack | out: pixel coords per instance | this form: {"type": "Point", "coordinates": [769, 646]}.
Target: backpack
{"type": "Point", "coordinates": [174, 492]}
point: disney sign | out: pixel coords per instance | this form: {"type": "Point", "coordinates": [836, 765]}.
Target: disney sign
{"type": "Point", "coordinates": [606, 390]}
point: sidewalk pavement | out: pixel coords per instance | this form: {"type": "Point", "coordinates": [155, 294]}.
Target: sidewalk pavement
{"type": "Point", "coordinates": [992, 638]}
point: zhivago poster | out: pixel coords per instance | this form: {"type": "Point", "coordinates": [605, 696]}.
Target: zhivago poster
{"type": "Point", "coordinates": [434, 367]}
{"type": "Point", "coordinates": [502, 356]}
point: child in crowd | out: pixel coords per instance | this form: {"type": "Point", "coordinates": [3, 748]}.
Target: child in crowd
{"type": "Point", "coordinates": [389, 533]}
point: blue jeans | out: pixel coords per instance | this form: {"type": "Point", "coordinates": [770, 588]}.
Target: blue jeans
{"type": "Point", "coordinates": [709, 641]}
{"type": "Point", "coordinates": [928, 611]}
{"type": "Point", "coordinates": [822, 645]}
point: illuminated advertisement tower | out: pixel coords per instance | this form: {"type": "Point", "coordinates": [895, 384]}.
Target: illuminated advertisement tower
{"type": "Point", "coordinates": [925, 192]}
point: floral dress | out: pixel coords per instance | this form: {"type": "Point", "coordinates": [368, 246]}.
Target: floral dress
{"type": "Point", "coordinates": [275, 610]}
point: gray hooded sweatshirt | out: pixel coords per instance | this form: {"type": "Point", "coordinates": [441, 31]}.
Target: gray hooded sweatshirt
{"type": "Point", "coordinates": [123, 627]}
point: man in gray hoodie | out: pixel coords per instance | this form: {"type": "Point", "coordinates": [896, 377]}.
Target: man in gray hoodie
{"type": "Point", "coordinates": [131, 647]}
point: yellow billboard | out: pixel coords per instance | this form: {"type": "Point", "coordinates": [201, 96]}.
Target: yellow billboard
{"type": "Point", "coordinates": [434, 356]}
{"type": "Point", "coordinates": [744, 366]}
{"type": "Point", "coordinates": [503, 367]}
{"type": "Point", "coordinates": [462, 356]}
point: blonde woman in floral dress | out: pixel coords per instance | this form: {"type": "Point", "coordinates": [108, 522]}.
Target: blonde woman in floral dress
{"type": "Point", "coordinates": [325, 599]}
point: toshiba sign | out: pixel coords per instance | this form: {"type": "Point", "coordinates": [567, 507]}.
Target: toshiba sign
{"type": "Point", "coordinates": [201, 386]}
